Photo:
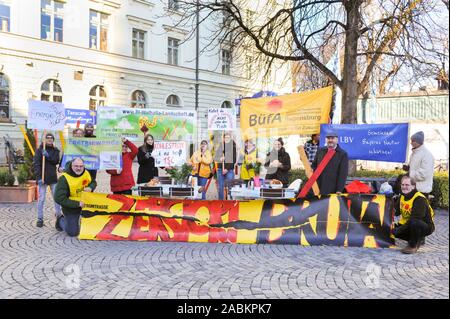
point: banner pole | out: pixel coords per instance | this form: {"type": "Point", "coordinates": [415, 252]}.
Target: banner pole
{"type": "Point", "coordinates": [63, 141]}
{"type": "Point", "coordinates": [25, 136]}
{"type": "Point", "coordinates": [308, 169]}
{"type": "Point", "coordinates": [43, 158]}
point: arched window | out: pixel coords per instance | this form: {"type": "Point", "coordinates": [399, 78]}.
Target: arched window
{"type": "Point", "coordinates": [51, 91]}
{"type": "Point", "coordinates": [173, 100]}
{"type": "Point", "coordinates": [226, 105]}
{"type": "Point", "coordinates": [138, 99]}
{"type": "Point", "coordinates": [97, 97]}
{"type": "Point", "coordinates": [4, 97]}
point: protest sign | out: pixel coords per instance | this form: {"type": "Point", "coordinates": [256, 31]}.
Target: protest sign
{"type": "Point", "coordinates": [165, 125]}
{"type": "Point", "coordinates": [221, 119]}
{"type": "Point", "coordinates": [97, 154]}
{"type": "Point", "coordinates": [46, 115]}
{"type": "Point", "coordinates": [169, 153]}
{"type": "Point", "coordinates": [335, 220]}
{"type": "Point", "coordinates": [83, 116]}
{"type": "Point", "coordinates": [371, 142]}
{"type": "Point", "coordinates": [291, 114]}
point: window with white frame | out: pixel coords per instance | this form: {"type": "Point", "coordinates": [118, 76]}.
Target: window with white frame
{"type": "Point", "coordinates": [52, 13]}
{"type": "Point", "coordinates": [138, 99]}
{"type": "Point", "coordinates": [138, 43]}
{"type": "Point", "coordinates": [97, 97]}
{"type": "Point", "coordinates": [98, 30]}
{"type": "Point", "coordinates": [5, 17]}
{"type": "Point", "coordinates": [51, 91]}
{"type": "Point", "coordinates": [4, 97]}
{"type": "Point", "coordinates": [226, 61]}
{"type": "Point", "coordinates": [174, 5]}
{"type": "Point", "coordinates": [173, 100]}
{"type": "Point", "coordinates": [172, 51]}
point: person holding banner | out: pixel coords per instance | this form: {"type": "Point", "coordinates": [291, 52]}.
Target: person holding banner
{"type": "Point", "coordinates": [147, 170]}
{"type": "Point", "coordinates": [334, 175]}
{"type": "Point", "coordinates": [51, 154]}
{"type": "Point", "coordinates": [278, 163]}
{"type": "Point", "coordinates": [89, 133]}
{"type": "Point", "coordinates": [416, 220]}
{"type": "Point", "coordinates": [68, 194]}
{"type": "Point", "coordinates": [201, 165]}
{"type": "Point", "coordinates": [225, 160]}
{"type": "Point", "coordinates": [122, 180]}
{"type": "Point", "coordinates": [248, 159]}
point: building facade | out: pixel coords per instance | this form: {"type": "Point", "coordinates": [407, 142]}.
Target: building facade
{"type": "Point", "coordinates": [129, 53]}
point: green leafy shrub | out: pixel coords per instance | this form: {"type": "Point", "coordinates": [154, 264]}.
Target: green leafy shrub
{"type": "Point", "coordinates": [440, 190]}
{"type": "Point", "coordinates": [22, 177]}
{"type": "Point", "coordinates": [3, 177]}
{"type": "Point", "coordinates": [10, 179]}
{"type": "Point", "coordinates": [28, 156]}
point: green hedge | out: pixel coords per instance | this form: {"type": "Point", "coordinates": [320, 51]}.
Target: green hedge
{"type": "Point", "coordinates": [440, 182]}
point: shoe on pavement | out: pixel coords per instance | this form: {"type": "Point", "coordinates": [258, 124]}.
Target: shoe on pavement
{"type": "Point", "coordinates": [57, 223]}
{"type": "Point", "coordinates": [422, 241]}
{"type": "Point", "coordinates": [409, 250]}
{"type": "Point", "coordinates": [40, 223]}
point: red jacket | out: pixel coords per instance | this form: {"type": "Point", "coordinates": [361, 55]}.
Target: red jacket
{"type": "Point", "coordinates": [125, 180]}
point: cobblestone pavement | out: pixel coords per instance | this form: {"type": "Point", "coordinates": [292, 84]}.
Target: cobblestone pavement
{"type": "Point", "coordinates": [44, 263]}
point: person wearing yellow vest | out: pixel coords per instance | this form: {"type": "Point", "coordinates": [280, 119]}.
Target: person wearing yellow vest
{"type": "Point", "coordinates": [249, 160]}
{"type": "Point", "coordinates": [416, 219]}
{"type": "Point", "coordinates": [68, 191]}
{"type": "Point", "coordinates": [201, 165]}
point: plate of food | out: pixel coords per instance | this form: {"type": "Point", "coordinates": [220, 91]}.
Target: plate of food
{"type": "Point", "coordinates": [275, 183]}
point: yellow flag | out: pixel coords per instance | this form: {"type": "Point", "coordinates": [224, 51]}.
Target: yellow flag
{"type": "Point", "coordinates": [291, 114]}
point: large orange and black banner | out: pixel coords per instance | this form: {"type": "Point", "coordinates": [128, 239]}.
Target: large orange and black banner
{"type": "Point", "coordinates": [336, 220]}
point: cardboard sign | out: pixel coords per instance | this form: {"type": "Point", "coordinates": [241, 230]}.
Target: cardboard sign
{"type": "Point", "coordinates": [169, 153]}
{"type": "Point", "coordinates": [44, 115]}
{"type": "Point", "coordinates": [221, 120]}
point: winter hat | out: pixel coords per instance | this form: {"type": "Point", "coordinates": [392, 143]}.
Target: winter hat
{"type": "Point", "coordinates": [50, 135]}
{"type": "Point", "coordinates": [418, 137]}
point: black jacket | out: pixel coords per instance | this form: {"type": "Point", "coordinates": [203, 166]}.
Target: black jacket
{"type": "Point", "coordinates": [335, 174]}
{"type": "Point", "coordinates": [50, 176]}
{"type": "Point", "coordinates": [230, 155]}
{"type": "Point", "coordinates": [280, 173]}
{"type": "Point", "coordinates": [147, 169]}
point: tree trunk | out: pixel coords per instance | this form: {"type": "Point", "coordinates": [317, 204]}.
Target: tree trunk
{"type": "Point", "coordinates": [350, 76]}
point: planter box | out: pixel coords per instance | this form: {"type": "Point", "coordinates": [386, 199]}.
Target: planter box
{"type": "Point", "coordinates": [17, 194]}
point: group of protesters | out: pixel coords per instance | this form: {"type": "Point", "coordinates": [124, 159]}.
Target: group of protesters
{"type": "Point", "coordinates": [331, 161]}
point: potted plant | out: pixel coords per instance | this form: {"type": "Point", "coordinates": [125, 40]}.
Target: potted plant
{"type": "Point", "coordinates": [257, 169]}
{"type": "Point", "coordinates": [180, 175]}
{"type": "Point", "coordinates": [10, 193]}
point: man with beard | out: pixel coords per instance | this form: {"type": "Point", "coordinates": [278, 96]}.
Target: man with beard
{"type": "Point", "coordinates": [333, 178]}
{"type": "Point", "coordinates": [68, 194]}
